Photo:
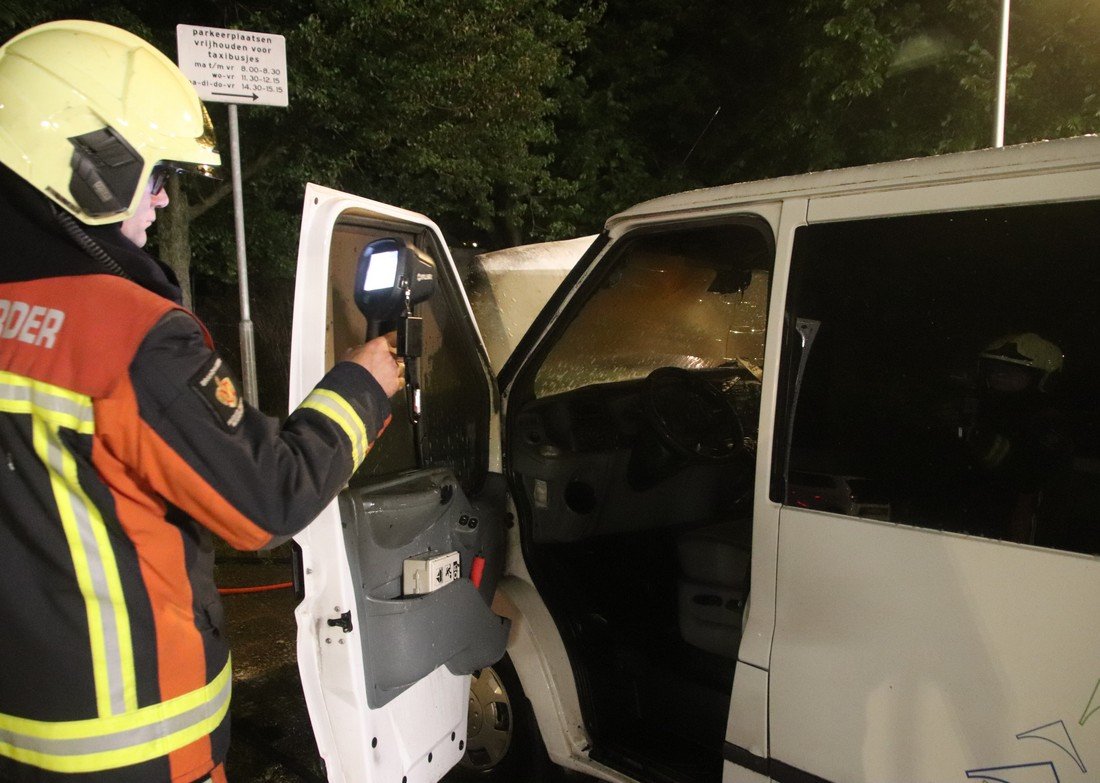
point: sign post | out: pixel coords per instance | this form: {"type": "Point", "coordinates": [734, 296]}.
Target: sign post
{"type": "Point", "coordinates": [236, 66]}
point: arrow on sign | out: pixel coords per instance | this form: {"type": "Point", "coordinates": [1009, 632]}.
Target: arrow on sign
{"type": "Point", "coordinates": [253, 96]}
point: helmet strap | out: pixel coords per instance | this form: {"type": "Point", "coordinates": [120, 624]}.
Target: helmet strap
{"type": "Point", "coordinates": [86, 243]}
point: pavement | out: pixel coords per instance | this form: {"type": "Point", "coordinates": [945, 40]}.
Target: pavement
{"type": "Point", "coordinates": [272, 737]}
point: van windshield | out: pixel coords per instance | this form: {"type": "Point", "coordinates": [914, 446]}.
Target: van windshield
{"type": "Point", "coordinates": [691, 298]}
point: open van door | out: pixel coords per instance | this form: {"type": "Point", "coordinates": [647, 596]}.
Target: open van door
{"type": "Point", "coordinates": [385, 658]}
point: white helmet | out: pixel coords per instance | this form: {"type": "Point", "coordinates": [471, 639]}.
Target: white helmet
{"type": "Point", "coordinates": [1027, 350]}
{"type": "Point", "coordinates": [88, 110]}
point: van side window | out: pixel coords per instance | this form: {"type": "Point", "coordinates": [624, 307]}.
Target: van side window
{"type": "Point", "coordinates": [454, 426]}
{"type": "Point", "coordinates": [953, 381]}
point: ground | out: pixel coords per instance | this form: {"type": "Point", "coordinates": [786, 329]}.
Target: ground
{"type": "Point", "coordinates": [272, 738]}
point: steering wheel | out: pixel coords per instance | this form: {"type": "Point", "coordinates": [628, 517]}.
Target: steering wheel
{"type": "Point", "coordinates": [691, 416]}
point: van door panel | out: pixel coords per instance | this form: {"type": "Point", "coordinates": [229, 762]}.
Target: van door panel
{"type": "Point", "coordinates": [408, 636]}
{"type": "Point", "coordinates": [385, 675]}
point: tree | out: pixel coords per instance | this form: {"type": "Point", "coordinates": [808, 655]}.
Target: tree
{"type": "Point", "coordinates": [435, 105]}
{"type": "Point", "coordinates": [884, 80]}
{"type": "Point", "coordinates": [705, 92]}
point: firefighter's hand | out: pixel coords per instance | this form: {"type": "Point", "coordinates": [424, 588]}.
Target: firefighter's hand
{"type": "Point", "coordinates": [378, 358]}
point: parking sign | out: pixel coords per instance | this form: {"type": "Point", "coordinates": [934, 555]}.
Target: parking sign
{"type": "Point", "coordinates": [234, 66]}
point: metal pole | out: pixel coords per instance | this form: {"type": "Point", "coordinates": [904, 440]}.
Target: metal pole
{"type": "Point", "coordinates": [1002, 79]}
{"type": "Point", "coordinates": [248, 344]}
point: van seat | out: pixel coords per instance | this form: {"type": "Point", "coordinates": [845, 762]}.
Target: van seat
{"type": "Point", "coordinates": [714, 570]}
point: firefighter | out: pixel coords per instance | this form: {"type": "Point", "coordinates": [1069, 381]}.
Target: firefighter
{"type": "Point", "coordinates": [124, 441]}
{"type": "Point", "coordinates": [1017, 441]}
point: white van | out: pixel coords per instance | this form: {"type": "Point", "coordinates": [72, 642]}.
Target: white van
{"type": "Point", "coordinates": [670, 606]}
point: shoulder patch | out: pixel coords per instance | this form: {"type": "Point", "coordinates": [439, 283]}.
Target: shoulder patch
{"type": "Point", "coordinates": [217, 387]}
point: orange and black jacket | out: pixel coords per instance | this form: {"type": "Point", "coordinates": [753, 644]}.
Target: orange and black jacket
{"type": "Point", "coordinates": [123, 445]}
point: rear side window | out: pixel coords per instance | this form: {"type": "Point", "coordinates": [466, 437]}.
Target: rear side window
{"type": "Point", "coordinates": [943, 371]}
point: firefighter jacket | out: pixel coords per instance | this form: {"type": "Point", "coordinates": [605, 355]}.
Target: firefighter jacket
{"type": "Point", "coordinates": [123, 444]}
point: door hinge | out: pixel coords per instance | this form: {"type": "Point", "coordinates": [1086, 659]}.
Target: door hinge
{"type": "Point", "coordinates": [343, 622]}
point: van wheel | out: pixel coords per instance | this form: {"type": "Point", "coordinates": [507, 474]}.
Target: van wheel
{"type": "Point", "coordinates": [502, 740]}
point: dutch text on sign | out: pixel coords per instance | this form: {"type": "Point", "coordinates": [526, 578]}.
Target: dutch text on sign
{"type": "Point", "coordinates": [234, 66]}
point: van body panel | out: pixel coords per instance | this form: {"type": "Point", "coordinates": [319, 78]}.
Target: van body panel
{"type": "Point", "coordinates": [1003, 191]}
{"type": "Point", "coordinates": [748, 725]}
{"type": "Point", "coordinates": [543, 667]}
{"type": "Point", "coordinates": [1039, 157]}
{"type": "Point", "coordinates": [916, 655]}
{"type": "Point", "coordinates": [756, 641]}
{"type": "Point", "coordinates": [507, 289]}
